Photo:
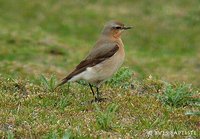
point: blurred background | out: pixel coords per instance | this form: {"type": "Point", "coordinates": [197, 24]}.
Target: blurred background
{"type": "Point", "coordinates": [51, 37]}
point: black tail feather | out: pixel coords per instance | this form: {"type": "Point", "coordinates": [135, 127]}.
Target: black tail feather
{"type": "Point", "coordinates": [65, 80]}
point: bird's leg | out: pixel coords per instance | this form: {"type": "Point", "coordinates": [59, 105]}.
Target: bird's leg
{"type": "Point", "coordinates": [99, 98]}
{"type": "Point", "coordinates": [92, 90]}
{"type": "Point", "coordinates": [98, 93]}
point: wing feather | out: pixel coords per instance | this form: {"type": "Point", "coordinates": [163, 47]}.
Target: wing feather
{"type": "Point", "coordinates": [95, 57]}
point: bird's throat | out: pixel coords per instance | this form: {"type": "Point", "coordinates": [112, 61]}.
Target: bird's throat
{"type": "Point", "coordinates": [117, 35]}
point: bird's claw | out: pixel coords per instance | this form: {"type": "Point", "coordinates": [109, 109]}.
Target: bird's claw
{"type": "Point", "coordinates": [98, 100]}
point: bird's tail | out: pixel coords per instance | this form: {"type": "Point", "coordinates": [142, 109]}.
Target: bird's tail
{"type": "Point", "coordinates": [65, 80]}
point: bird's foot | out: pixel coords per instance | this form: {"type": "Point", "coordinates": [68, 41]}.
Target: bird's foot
{"type": "Point", "coordinates": [98, 100]}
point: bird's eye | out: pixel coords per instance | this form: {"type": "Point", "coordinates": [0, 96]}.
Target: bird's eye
{"type": "Point", "coordinates": [118, 27]}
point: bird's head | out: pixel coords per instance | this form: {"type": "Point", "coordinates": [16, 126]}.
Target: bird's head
{"type": "Point", "coordinates": [114, 29]}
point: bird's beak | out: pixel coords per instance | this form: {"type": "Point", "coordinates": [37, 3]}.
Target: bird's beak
{"type": "Point", "coordinates": [125, 28]}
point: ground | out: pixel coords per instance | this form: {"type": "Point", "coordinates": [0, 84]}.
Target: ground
{"type": "Point", "coordinates": [155, 94]}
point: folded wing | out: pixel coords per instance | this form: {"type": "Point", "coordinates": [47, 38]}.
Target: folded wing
{"type": "Point", "coordinates": [95, 57]}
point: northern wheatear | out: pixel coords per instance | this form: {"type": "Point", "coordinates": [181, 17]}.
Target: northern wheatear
{"type": "Point", "coordinates": [103, 60]}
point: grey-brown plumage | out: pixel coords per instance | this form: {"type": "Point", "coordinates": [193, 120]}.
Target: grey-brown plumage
{"type": "Point", "coordinates": [91, 61]}
{"type": "Point", "coordinates": [103, 60]}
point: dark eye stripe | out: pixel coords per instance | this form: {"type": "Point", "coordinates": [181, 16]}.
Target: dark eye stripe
{"type": "Point", "coordinates": [118, 27]}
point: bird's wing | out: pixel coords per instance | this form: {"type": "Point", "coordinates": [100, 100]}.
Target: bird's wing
{"type": "Point", "coordinates": [98, 55]}
{"type": "Point", "coordinates": [95, 57]}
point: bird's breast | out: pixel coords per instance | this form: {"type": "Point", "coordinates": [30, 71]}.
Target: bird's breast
{"type": "Point", "coordinates": [108, 67]}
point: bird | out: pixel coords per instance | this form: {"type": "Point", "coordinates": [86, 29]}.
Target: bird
{"type": "Point", "coordinates": [104, 59]}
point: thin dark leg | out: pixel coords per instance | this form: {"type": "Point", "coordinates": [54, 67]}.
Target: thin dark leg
{"type": "Point", "coordinates": [98, 93]}
{"type": "Point", "coordinates": [99, 98]}
{"type": "Point", "coordinates": [92, 90]}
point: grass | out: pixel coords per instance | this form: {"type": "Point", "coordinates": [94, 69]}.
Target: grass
{"type": "Point", "coordinates": [49, 85]}
{"type": "Point", "coordinates": [42, 41]}
{"type": "Point", "coordinates": [179, 95]}
{"type": "Point", "coordinates": [105, 119]}
{"type": "Point", "coordinates": [37, 112]}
